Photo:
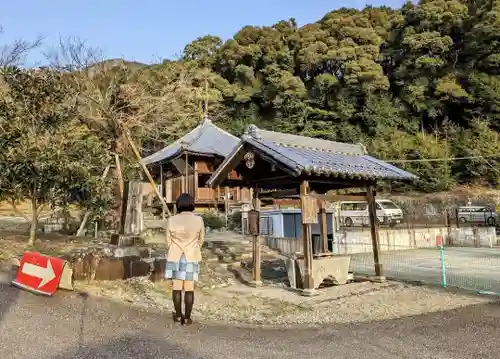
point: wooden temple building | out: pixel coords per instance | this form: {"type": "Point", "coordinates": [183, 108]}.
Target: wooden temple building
{"type": "Point", "coordinates": [186, 165]}
{"type": "Point", "coordinates": [308, 167]}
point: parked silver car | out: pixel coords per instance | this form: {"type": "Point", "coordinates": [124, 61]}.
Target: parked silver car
{"type": "Point", "coordinates": [478, 215]}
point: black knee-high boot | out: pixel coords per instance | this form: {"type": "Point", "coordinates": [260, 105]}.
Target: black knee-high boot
{"type": "Point", "coordinates": [188, 306]}
{"type": "Point", "coordinates": [177, 299]}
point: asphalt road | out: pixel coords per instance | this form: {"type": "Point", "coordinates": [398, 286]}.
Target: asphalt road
{"type": "Point", "coordinates": [71, 325]}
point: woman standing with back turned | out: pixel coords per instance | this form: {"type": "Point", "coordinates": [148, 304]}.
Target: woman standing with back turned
{"type": "Point", "coordinates": [185, 234]}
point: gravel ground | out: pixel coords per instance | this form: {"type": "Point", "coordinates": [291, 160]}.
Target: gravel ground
{"type": "Point", "coordinates": [356, 302]}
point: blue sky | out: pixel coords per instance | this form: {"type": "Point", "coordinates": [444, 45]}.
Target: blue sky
{"type": "Point", "coordinates": [151, 30]}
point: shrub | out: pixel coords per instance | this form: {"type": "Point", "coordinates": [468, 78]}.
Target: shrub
{"type": "Point", "coordinates": [213, 220]}
{"type": "Point", "coordinates": [234, 222]}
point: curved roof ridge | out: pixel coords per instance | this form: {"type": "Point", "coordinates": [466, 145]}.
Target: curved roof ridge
{"type": "Point", "coordinates": [298, 141]}
{"type": "Point", "coordinates": [205, 139]}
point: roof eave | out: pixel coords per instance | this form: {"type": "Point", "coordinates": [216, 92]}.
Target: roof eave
{"type": "Point", "coordinates": [221, 172]}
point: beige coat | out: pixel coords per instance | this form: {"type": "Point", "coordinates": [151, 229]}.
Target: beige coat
{"type": "Point", "coordinates": [185, 234]}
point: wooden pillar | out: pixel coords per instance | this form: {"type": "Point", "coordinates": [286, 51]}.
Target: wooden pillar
{"type": "Point", "coordinates": [123, 208]}
{"type": "Point", "coordinates": [196, 195]}
{"type": "Point", "coordinates": [307, 244]}
{"type": "Point", "coordinates": [372, 210]}
{"type": "Point", "coordinates": [162, 193]}
{"type": "Point", "coordinates": [186, 174]}
{"type": "Point", "coordinates": [226, 204]}
{"type": "Point", "coordinates": [256, 245]}
{"type": "Point", "coordinates": [324, 230]}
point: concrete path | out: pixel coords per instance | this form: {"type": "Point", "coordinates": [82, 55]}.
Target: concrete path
{"type": "Point", "coordinates": [71, 325]}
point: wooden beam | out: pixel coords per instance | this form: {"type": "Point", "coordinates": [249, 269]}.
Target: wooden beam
{"type": "Point", "coordinates": [222, 172]}
{"type": "Point", "coordinates": [286, 202]}
{"type": "Point", "coordinates": [340, 197]}
{"type": "Point", "coordinates": [145, 169]}
{"type": "Point", "coordinates": [279, 194]}
{"type": "Point", "coordinates": [372, 210]}
{"type": "Point", "coordinates": [321, 198]}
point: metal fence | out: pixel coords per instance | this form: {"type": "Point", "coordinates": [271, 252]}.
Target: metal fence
{"type": "Point", "coordinates": [468, 266]}
{"type": "Point", "coordinates": [447, 244]}
{"type": "Point", "coordinates": [451, 218]}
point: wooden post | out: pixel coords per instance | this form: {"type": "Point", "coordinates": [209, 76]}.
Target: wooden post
{"type": "Point", "coordinates": [448, 227]}
{"type": "Point", "coordinates": [120, 174]}
{"type": "Point", "coordinates": [123, 214]}
{"type": "Point", "coordinates": [133, 209]}
{"type": "Point", "coordinates": [162, 193]}
{"type": "Point", "coordinates": [186, 174]}
{"type": "Point", "coordinates": [257, 282]}
{"type": "Point", "coordinates": [372, 210]}
{"type": "Point", "coordinates": [196, 195]}
{"type": "Point", "coordinates": [307, 244]}
{"type": "Point", "coordinates": [324, 230]}
{"type": "Point", "coordinates": [226, 204]}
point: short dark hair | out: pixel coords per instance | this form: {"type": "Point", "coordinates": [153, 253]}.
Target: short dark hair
{"type": "Point", "coordinates": [185, 203]}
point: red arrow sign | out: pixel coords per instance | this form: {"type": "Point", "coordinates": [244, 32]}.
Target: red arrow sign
{"type": "Point", "coordinates": [39, 273]}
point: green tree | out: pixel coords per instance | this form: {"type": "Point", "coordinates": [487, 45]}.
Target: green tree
{"type": "Point", "coordinates": [46, 157]}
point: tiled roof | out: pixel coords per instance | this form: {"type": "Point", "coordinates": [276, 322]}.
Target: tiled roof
{"type": "Point", "coordinates": [205, 139]}
{"type": "Point", "coordinates": [310, 156]}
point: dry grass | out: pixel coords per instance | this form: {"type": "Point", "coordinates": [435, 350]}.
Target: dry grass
{"type": "Point", "coordinates": [25, 209]}
{"type": "Point", "coordinates": [13, 245]}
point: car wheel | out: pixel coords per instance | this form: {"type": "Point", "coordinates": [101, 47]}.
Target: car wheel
{"type": "Point", "coordinates": [491, 221]}
{"type": "Point", "coordinates": [348, 222]}
{"type": "Point", "coordinates": [462, 220]}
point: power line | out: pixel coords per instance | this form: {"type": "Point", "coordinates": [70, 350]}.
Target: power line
{"type": "Point", "coordinates": [442, 159]}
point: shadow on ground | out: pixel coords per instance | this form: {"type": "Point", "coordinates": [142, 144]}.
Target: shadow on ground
{"type": "Point", "coordinates": [72, 325]}
{"type": "Point", "coordinates": [140, 346]}
{"type": "Point", "coordinates": [8, 298]}
{"type": "Point", "coordinates": [463, 333]}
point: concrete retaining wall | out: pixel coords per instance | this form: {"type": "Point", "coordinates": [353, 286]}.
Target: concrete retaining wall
{"type": "Point", "coordinates": [395, 239]}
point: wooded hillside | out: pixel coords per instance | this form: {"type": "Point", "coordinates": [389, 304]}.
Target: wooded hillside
{"type": "Point", "coordinates": [420, 82]}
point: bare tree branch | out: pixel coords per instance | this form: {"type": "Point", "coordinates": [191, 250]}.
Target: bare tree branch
{"type": "Point", "coordinates": [14, 54]}
{"type": "Point", "coordinates": [72, 54]}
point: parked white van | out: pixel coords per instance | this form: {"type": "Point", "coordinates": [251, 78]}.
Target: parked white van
{"type": "Point", "coordinates": [355, 213]}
